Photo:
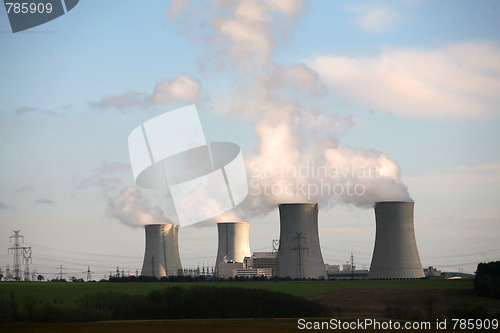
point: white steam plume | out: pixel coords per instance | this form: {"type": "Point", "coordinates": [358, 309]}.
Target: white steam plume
{"type": "Point", "coordinates": [298, 158]}
{"type": "Point", "coordinates": [133, 210]}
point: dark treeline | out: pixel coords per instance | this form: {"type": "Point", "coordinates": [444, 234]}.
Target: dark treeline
{"type": "Point", "coordinates": [204, 302]}
{"type": "Point", "coordinates": [487, 279]}
{"type": "Point", "coordinates": [168, 303]}
{"type": "Point", "coordinates": [189, 278]}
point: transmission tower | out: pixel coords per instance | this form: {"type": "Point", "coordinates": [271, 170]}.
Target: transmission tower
{"type": "Point", "coordinates": [299, 250]}
{"type": "Point", "coordinates": [17, 250]}
{"type": "Point", "coordinates": [352, 267]}
{"type": "Point", "coordinates": [89, 274]}
{"type": "Point", "coordinates": [61, 272]}
{"type": "Point", "coordinates": [276, 245]}
{"type": "Point", "coordinates": [27, 260]}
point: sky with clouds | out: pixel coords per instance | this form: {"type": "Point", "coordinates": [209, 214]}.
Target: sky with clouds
{"type": "Point", "coordinates": [409, 89]}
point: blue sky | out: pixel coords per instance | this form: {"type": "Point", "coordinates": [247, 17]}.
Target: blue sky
{"type": "Point", "coordinates": [414, 84]}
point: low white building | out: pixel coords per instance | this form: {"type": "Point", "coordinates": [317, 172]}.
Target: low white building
{"type": "Point", "coordinates": [254, 272]}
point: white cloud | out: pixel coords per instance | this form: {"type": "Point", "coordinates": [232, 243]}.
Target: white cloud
{"type": "Point", "coordinates": [458, 80]}
{"type": "Point", "coordinates": [375, 19]}
{"type": "Point", "coordinates": [175, 7]}
{"type": "Point", "coordinates": [378, 19]}
{"type": "Point", "coordinates": [126, 100]}
{"type": "Point", "coordinates": [44, 201]}
{"type": "Point", "coordinates": [25, 188]}
{"type": "Point", "coordinates": [25, 109]}
{"type": "Point", "coordinates": [182, 88]}
{"type": "Point", "coordinates": [105, 177]}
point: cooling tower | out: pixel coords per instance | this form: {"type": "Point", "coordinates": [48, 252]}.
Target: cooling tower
{"type": "Point", "coordinates": [299, 253]}
{"type": "Point", "coordinates": [162, 251]}
{"type": "Point", "coordinates": [234, 242]}
{"type": "Point", "coordinates": [395, 255]}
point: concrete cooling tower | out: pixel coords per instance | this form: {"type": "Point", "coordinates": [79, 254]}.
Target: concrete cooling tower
{"type": "Point", "coordinates": [234, 244]}
{"type": "Point", "coordinates": [162, 251]}
{"type": "Point", "coordinates": [395, 255]}
{"type": "Point", "coordinates": [299, 253]}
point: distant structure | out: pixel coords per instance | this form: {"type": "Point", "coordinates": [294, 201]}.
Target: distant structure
{"type": "Point", "coordinates": [253, 272]}
{"type": "Point", "coordinates": [432, 272]}
{"type": "Point", "coordinates": [395, 255]}
{"type": "Point", "coordinates": [299, 254]}
{"type": "Point", "coordinates": [260, 264]}
{"type": "Point", "coordinates": [234, 243]}
{"type": "Point", "coordinates": [234, 246]}
{"type": "Point", "coordinates": [60, 273]}
{"type": "Point", "coordinates": [347, 273]}
{"type": "Point", "coordinates": [261, 260]}
{"type": "Point", "coordinates": [19, 252]}
{"type": "Point", "coordinates": [161, 257]}
{"type": "Point", "coordinates": [89, 274]}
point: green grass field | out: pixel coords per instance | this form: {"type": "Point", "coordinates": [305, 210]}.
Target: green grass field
{"type": "Point", "coordinates": [348, 300]}
{"type": "Point", "coordinates": [71, 292]}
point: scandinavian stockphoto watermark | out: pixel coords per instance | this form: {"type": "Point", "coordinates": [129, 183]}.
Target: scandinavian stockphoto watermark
{"type": "Point", "coordinates": [26, 14]}
{"type": "Point", "coordinates": [170, 152]}
{"type": "Point", "coordinates": [309, 181]}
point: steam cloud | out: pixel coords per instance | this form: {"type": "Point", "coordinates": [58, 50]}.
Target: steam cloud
{"type": "Point", "coordinates": [133, 210]}
{"type": "Point", "coordinates": [298, 158]}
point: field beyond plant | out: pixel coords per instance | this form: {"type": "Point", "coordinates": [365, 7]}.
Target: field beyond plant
{"type": "Point", "coordinates": [397, 300]}
{"type": "Point", "coordinates": [72, 292]}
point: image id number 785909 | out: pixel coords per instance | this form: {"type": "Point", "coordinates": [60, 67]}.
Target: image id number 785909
{"type": "Point", "coordinates": [471, 324]}
{"type": "Point", "coordinates": [28, 7]}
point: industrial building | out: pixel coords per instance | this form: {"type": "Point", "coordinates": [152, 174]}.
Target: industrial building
{"type": "Point", "coordinates": [226, 270]}
{"type": "Point", "coordinates": [432, 272]}
{"type": "Point", "coordinates": [347, 272]}
{"type": "Point", "coordinates": [254, 272]}
{"type": "Point", "coordinates": [299, 254]}
{"type": "Point", "coordinates": [361, 274]}
{"type": "Point", "coordinates": [161, 257]}
{"type": "Point", "coordinates": [260, 260]}
{"type": "Point", "coordinates": [395, 254]}
{"type": "Point", "coordinates": [332, 268]}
